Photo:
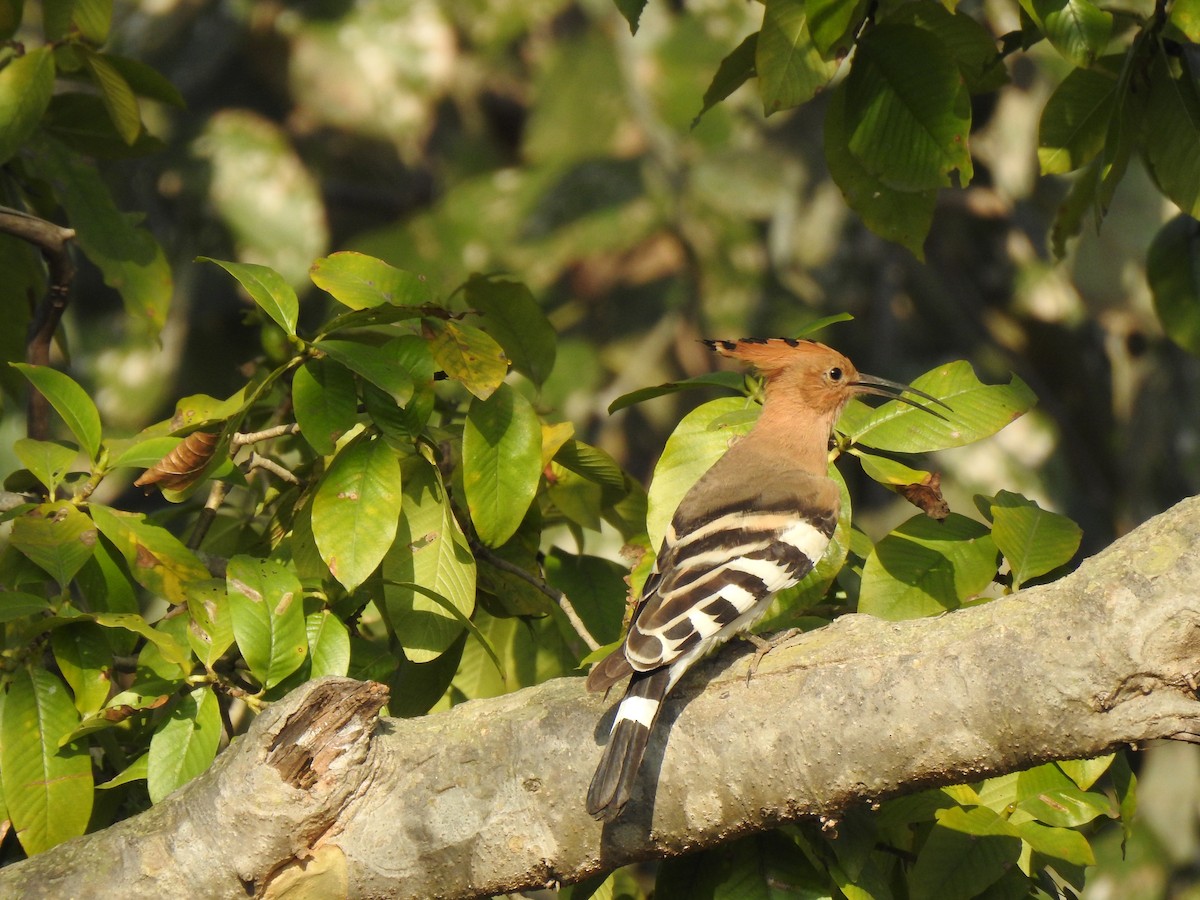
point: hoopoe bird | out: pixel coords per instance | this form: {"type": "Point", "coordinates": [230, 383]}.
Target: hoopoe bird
{"type": "Point", "coordinates": [754, 524]}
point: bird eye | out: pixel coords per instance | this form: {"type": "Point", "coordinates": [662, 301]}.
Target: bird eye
{"type": "Point", "coordinates": [835, 374]}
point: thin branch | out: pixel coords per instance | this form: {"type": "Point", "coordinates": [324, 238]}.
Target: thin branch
{"type": "Point", "coordinates": [258, 461]}
{"type": "Point", "coordinates": [559, 598]}
{"type": "Point", "coordinates": [216, 496]}
{"type": "Point", "coordinates": [242, 439]}
{"type": "Point", "coordinates": [52, 241]}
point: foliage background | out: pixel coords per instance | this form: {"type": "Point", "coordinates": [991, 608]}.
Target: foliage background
{"type": "Point", "coordinates": [542, 139]}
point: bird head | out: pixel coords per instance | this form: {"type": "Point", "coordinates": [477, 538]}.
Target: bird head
{"type": "Point", "coordinates": [816, 376]}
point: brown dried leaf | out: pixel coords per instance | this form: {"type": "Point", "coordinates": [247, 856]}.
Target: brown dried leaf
{"type": "Point", "coordinates": [183, 465]}
{"type": "Point", "coordinates": [927, 496]}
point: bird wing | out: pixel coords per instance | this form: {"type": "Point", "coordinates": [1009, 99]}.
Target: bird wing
{"type": "Point", "coordinates": [721, 561]}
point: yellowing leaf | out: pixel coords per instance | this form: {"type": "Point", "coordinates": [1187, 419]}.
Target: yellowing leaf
{"type": "Point", "coordinates": [467, 355]}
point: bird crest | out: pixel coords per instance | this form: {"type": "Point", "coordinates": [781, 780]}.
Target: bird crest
{"type": "Point", "coordinates": [770, 356]}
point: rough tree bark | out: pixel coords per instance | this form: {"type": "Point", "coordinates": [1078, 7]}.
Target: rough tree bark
{"type": "Point", "coordinates": [488, 797]}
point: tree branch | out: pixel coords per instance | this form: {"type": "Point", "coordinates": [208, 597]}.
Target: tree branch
{"type": "Point", "coordinates": [488, 797]}
{"type": "Point", "coordinates": [52, 241]}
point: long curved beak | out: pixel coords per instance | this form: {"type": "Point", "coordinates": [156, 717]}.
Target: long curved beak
{"type": "Point", "coordinates": [894, 390]}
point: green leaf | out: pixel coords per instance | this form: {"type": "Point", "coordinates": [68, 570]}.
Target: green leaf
{"type": "Point", "coordinates": [1185, 16]}
{"type": "Point", "coordinates": [135, 771]}
{"type": "Point", "coordinates": [56, 536]}
{"type": "Point", "coordinates": [49, 461]}
{"type": "Point", "coordinates": [362, 282]}
{"type": "Point", "coordinates": [472, 629]}
{"type": "Point", "coordinates": [145, 80]}
{"type": "Point", "coordinates": [900, 216]}
{"type": "Point", "coordinates": [516, 321]}
{"type": "Point", "coordinates": [266, 602]}
{"type": "Point", "coordinates": [162, 665]}
{"type": "Point", "coordinates": [734, 381]}
{"type": "Point", "coordinates": [108, 587]}
{"type": "Point", "coordinates": [761, 867]}
{"type": "Point", "coordinates": [48, 791]}
{"type": "Point", "coordinates": [141, 454]}
{"type": "Point", "coordinates": [157, 559]}
{"type": "Point", "coordinates": [378, 365]}
{"type": "Point", "coordinates": [1066, 807]}
{"type": "Point", "coordinates": [970, 44]}
{"type": "Point", "coordinates": [165, 644]}
{"type": "Point", "coordinates": [1033, 540]}
{"type": "Point", "coordinates": [1172, 127]}
{"type": "Point", "coordinates": [632, 11]}
{"type": "Point", "coordinates": [1085, 772]}
{"type": "Point", "coordinates": [1078, 29]}
{"type": "Point", "coordinates": [84, 657]}
{"type": "Point", "coordinates": [185, 744]}
{"type": "Point", "coordinates": [328, 644]}
{"type": "Point", "coordinates": [430, 550]}
{"type": "Point", "coordinates": [832, 24]}
{"type": "Point", "coordinates": [467, 355]}
{"type": "Point", "coordinates": [325, 402]}
{"type": "Point", "coordinates": [93, 18]}
{"type": "Point", "coordinates": [117, 95]}
{"type": "Point", "coordinates": [26, 85]}
{"type": "Point", "coordinates": [1173, 269]}
{"type": "Point", "coordinates": [697, 442]}
{"type": "Point", "coordinates": [18, 605]}
{"type": "Point", "coordinates": [926, 567]}
{"type": "Point", "coordinates": [70, 401]}
{"type": "Point", "coordinates": [200, 410]}
{"type": "Point", "coordinates": [977, 410]}
{"type": "Point", "coordinates": [735, 70]}
{"type": "Point", "coordinates": [1058, 843]}
{"type": "Point", "coordinates": [580, 500]}
{"type": "Point", "coordinates": [908, 124]}
{"type": "Point", "coordinates": [210, 632]}
{"type": "Point", "coordinates": [1081, 197]}
{"type": "Point", "coordinates": [267, 288]}
{"type": "Point", "coordinates": [355, 509]}
{"type": "Point", "coordinates": [596, 588]}
{"type": "Point", "coordinates": [596, 466]}
{"type": "Point", "coordinates": [129, 257]}
{"type": "Point", "coordinates": [1125, 787]}
{"type": "Point", "coordinates": [970, 850]}
{"type": "Point", "coordinates": [502, 462]}
{"type": "Point", "coordinates": [822, 323]}
{"type": "Point", "coordinates": [82, 123]}
{"type": "Point", "coordinates": [888, 471]}
{"type": "Point", "coordinates": [790, 68]}
{"type": "Point", "coordinates": [10, 20]}
{"type": "Point", "coordinates": [1075, 120]}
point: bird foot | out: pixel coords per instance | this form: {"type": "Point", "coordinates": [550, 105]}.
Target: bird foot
{"type": "Point", "coordinates": [764, 646]}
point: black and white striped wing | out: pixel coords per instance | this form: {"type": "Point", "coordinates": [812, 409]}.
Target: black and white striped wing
{"type": "Point", "coordinates": [718, 579]}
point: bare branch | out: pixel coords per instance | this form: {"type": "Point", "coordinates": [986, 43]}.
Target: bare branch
{"type": "Point", "coordinates": [52, 241]}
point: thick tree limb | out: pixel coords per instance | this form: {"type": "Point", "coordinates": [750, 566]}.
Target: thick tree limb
{"type": "Point", "coordinates": [488, 797]}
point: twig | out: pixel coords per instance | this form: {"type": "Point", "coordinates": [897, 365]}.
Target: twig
{"type": "Point", "coordinates": [216, 496]}
{"type": "Point", "coordinates": [499, 562]}
{"type": "Point", "coordinates": [258, 461]}
{"type": "Point", "coordinates": [51, 240]}
{"type": "Point", "coordinates": [242, 439]}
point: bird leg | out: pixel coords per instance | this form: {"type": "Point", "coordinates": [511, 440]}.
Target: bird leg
{"type": "Point", "coordinates": [765, 645]}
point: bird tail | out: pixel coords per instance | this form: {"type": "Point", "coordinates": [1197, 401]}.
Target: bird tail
{"type": "Point", "coordinates": [612, 784]}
